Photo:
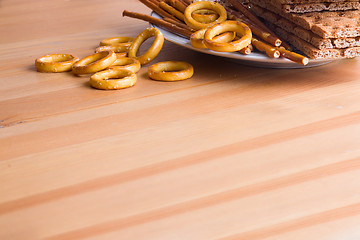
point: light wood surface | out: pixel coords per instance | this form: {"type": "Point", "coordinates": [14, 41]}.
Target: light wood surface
{"type": "Point", "coordinates": [235, 152]}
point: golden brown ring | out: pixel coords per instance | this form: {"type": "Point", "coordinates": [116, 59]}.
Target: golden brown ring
{"type": "Point", "coordinates": [94, 63]}
{"type": "Point", "coordinates": [241, 29]}
{"type": "Point", "coordinates": [115, 48]}
{"type": "Point", "coordinates": [170, 71]}
{"type": "Point", "coordinates": [126, 63]}
{"type": "Point", "coordinates": [55, 63]}
{"type": "Point", "coordinates": [117, 41]}
{"type": "Point", "coordinates": [197, 38]}
{"type": "Point", "coordinates": [191, 22]}
{"type": "Point", "coordinates": [204, 16]}
{"type": "Point", "coordinates": [111, 79]}
{"type": "Point", "coordinates": [153, 51]}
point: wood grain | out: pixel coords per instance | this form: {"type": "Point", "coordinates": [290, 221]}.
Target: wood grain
{"type": "Point", "coordinates": [236, 152]}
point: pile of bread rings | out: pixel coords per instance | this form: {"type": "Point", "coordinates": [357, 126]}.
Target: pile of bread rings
{"type": "Point", "coordinates": [218, 25]}
{"type": "Point", "coordinates": [115, 62]}
{"type": "Point", "coordinates": [217, 35]}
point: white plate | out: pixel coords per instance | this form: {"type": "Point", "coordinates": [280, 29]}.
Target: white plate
{"type": "Point", "coordinates": [254, 59]}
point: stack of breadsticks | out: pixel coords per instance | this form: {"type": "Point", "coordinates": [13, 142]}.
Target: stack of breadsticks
{"type": "Point", "coordinates": [204, 24]}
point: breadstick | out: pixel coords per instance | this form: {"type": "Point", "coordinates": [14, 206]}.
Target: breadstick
{"type": "Point", "coordinates": [171, 27]}
{"type": "Point", "coordinates": [238, 6]}
{"type": "Point", "coordinates": [293, 56]}
{"type": "Point", "coordinates": [266, 36]}
{"type": "Point", "coordinates": [157, 9]}
{"type": "Point", "coordinates": [179, 15]}
{"type": "Point", "coordinates": [187, 2]}
{"type": "Point", "coordinates": [245, 50]}
{"type": "Point", "coordinates": [263, 47]}
{"type": "Point", "coordinates": [180, 6]}
{"type": "Point", "coordinates": [156, 2]}
{"type": "Point", "coordinates": [260, 25]}
{"type": "Point", "coordinates": [179, 24]}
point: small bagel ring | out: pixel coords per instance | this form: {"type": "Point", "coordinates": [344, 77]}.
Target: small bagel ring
{"type": "Point", "coordinates": [116, 49]}
{"type": "Point", "coordinates": [111, 79]}
{"type": "Point", "coordinates": [204, 15]}
{"type": "Point", "coordinates": [55, 63]}
{"type": "Point", "coordinates": [191, 22]}
{"type": "Point", "coordinates": [94, 63]}
{"type": "Point", "coordinates": [241, 29]}
{"type": "Point", "coordinates": [170, 71]}
{"type": "Point", "coordinates": [197, 38]}
{"type": "Point", "coordinates": [117, 41]}
{"type": "Point", "coordinates": [126, 63]}
{"type": "Point", "coordinates": [153, 51]}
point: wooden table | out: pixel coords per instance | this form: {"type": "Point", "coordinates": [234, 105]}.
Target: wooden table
{"type": "Point", "coordinates": [235, 152]}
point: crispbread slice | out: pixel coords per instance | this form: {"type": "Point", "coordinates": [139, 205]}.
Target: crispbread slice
{"type": "Point", "coordinates": [302, 6]}
{"type": "Point", "coordinates": [326, 24]}
{"type": "Point", "coordinates": [315, 53]}
{"type": "Point", "coordinates": [318, 7]}
{"type": "Point", "coordinates": [309, 1]}
{"type": "Point", "coordinates": [304, 34]}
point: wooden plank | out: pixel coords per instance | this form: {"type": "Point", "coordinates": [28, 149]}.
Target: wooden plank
{"type": "Point", "coordinates": [236, 152]}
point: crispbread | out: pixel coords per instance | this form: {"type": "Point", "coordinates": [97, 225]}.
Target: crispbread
{"type": "Point", "coordinates": [304, 34]}
{"type": "Point", "coordinates": [326, 24]}
{"type": "Point", "coordinates": [309, 1]}
{"type": "Point", "coordinates": [318, 7]}
{"type": "Point", "coordinates": [313, 52]}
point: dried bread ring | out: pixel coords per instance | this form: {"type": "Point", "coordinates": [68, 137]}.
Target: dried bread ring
{"type": "Point", "coordinates": [111, 79]}
{"type": "Point", "coordinates": [94, 63]}
{"type": "Point", "coordinates": [126, 63]}
{"type": "Point", "coordinates": [170, 71]}
{"type": "Point", "coordinates": [117, 41]}
{"type": "Point", "coordinates": [204, 15]}
{"type": "Point", "coordinates": [191, 22]}
{"type": "Point", "coordinates": [122, 50]}
{"type": "Point", "coordinates": [55, 63]}
{"type": "Point", "coordinates": [241, 29]}
{"type": "Point", "coordinates": [153, 51]}
{"type": "Point", "coordinates": [197, 38]}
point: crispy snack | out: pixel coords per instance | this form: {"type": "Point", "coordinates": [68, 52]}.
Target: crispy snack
{"type": "Point", "coordinates": [116, 49]}
{"type": "Point", "coordinates": [170, 26]}
{"type": "Point", "coordinates": [170, 71]}
{"type": "Point", "coordinates": [246, 50]}
{"type": "Point", "coordinates": [253, 18]}
{"type": "Point", "coordinates": [197, 38]}
{"type": "Point", "coordinates": [327, 24]}
{"type": "Point", "coordinates": [55, 63]}
{"type": "Point", "coordinates": [178, 24]}
{"type": "Point", "coordinates": [205, 15]}
{"type": "Point", "coordinates": [117, 41]}
{"type": "Point", "coordinates": [315, 6]}
{"type": "Point", "coordinates": [315, 53]}
{"type": "Point", "coordinates": [173, 11]}
{"type": "Point", "coordinates": [126, 63]}
{"type": "Point", "coordinates": [157, 9]}
{"type": "Point", "coordinates": [242, 30]}
{"type": "Point", "coordinates": [304, 34]}
{"type": "Point", "coordinates": [265, 35]}
{"type": "Point", "coordinates": [94, 63]}
{"type": "Point", "coordinates": [236, 12]}
{"type": "Point", "coordinates": [180, 6]}
{"type": "Point", "coordinates": [293, 56]}
{"type": "Point", "coordinates": [263, 47]}
{"type": "Point", "coordinates": [153, 51]}
{"type": "Point", "coordinates": [113, 78]}
{"type": "Point", "coordinates": [190, 21]}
